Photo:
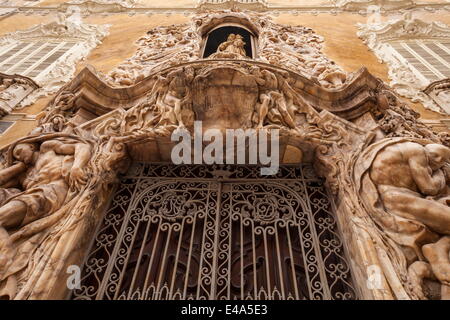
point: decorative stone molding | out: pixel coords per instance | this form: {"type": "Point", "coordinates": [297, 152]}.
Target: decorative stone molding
{"type": "Point", "coordinates": [256, 5]}
{"type": "Point", "coordinates": [403, 79]}
{"type": "Point", "coordinates": [68, 28]}
{"type": "Point", "coordinates": [10, 6]}
{"type": "Point", "coordinates": [132, 7]}
{"type": "Point", "coordinates": [87, 7]}
{"type": "Point", "coordinates": [293, 47]}
{"type": "Point", "coordinates": [385, 5]}
{"type": "Point", "coordinates": [439, 91]}
{"type": "Point", "coordinates": [14, 89]}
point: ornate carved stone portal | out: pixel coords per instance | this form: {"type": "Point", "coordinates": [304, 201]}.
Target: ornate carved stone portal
{"type": "Point", "coordinates": [367, 208]}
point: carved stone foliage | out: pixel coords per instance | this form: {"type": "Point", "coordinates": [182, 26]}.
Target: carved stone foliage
{"type": "Point", "coordinates": [69, 29]}
{"type": "Point", "coordinates": [295, 48]}
{"type": "Point", "coordinates": [403, 79]}
{"type": "Point", "coordinates": [13, 89]}
{"type": "Point", "coordinates": [410, 210]}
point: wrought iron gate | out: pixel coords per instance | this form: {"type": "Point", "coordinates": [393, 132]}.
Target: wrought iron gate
{"type": "Point", "coordinates": [217, 232]}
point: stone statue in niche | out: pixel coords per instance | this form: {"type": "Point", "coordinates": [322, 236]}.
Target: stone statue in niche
{"type": "Point", "coordinates": [35, 187]}
{"type": "Point", "coordinates": [407, 187]}
{"type": "Point", "coordinates": [234, 44]}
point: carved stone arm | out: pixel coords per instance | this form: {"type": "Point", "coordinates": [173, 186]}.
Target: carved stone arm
{"type": "Point", "coordinates": [429, 183]}
{"type": "Point", "coordinates": [82, 155]}
{"type": "Point", "coordinates": [11, 173]}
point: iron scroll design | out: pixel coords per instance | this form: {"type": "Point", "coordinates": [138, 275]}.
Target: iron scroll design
{"type": "Point", "coordinates": [217, 232]}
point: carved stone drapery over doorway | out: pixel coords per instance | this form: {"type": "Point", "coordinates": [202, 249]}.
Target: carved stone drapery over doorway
{"type": "Point", "coordinates": [217, 232]}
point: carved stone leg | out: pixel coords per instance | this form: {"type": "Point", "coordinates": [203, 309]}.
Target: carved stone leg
{"type": "Point", "coordinates": [11, 215]}
{"type": "Point", "coordinates": [8, 288]}
{"type": "Point", "coordinates": [263, 108]}
{"type": "Point", "coordinates": [284, 112]}
{"type": "Point", "coordinates": [437, 255]}
{"type": "Point", "coordinates": [406, 204]}
{"type": "Point", "coordinates": [177, 111]}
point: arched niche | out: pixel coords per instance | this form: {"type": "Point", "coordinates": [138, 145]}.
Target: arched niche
{"type": "Point", "coordinates": [220, 34]}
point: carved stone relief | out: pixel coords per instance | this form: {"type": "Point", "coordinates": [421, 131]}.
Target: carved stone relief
{"type": "Point", "coordinates": [403, 78]}
{"type": "Point", "coordinates": [67, 28]}
{"type": "Point", "coordinates": [361, 5]}
{"type": "Point", "coordinates": [357, 134]}
{"type": "Point", "coordinates": [13, 89]}
{"type": "Point", "coordinates": [295, 48]}
{"type": "Point", "coordinates": [439, 91]}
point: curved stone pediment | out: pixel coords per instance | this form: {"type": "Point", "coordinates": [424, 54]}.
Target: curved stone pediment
{"type": "Point", "coordinates": [351, 101]}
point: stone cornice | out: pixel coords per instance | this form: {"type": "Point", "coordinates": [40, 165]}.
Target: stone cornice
{"type": "Point", "coordinates": [351, 101]}
{"type": "Point", "coordinates": [406, 28]}
{"type": "Point", "coordinates": [116, 7]}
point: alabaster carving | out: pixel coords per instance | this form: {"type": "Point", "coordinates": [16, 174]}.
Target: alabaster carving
{"type": "Point", "coordinates": [9, 5]}
{"type": "Point", "coordinates": [254, 5]}
{"type": "Point", "coordinates": [355, 130]}
{"type": "Point", "coordinates": [439, 91]}
{"type": "Point", "coordinates": [295, 48]}
{"type": "Point", "coordinates": [68, 27]}
{"type": "Point", "coordinates": [13, 89]}
{"type": "Point", "coordinates": [403, 79]}
{"type": "Point", "coordinates": [233, 48]}
{"type": "Point", "coordinates": [361, 5]}
{"type": "Point", "coordinates": [35, 186]}
{"type": "Point", "coordinates": [404, 184]}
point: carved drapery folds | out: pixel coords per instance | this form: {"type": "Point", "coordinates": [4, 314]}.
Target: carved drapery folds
{"type": "Point", "coordinates": [406, 81]}
{"type": "Point", "coordinates": [353, 132]}
{"type": "Point", "coordinates": [13, 89]}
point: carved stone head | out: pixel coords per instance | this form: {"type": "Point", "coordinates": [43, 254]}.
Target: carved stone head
{"type": "Point", "coordinates": [438, 155]}
{"type": "Point", "coordinates": [24, 152]}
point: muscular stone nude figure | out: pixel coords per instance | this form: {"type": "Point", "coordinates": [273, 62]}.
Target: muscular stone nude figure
{"type": "Point", "coordinates": [412, 181]}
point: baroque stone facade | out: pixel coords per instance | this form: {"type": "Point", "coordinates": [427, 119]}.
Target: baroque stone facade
{"type": "Point", "coordinates": [386, 172]}
{"type": "Point", "coordinates": [406, 82]}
